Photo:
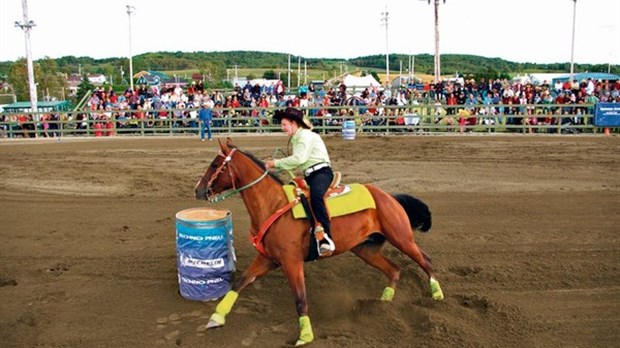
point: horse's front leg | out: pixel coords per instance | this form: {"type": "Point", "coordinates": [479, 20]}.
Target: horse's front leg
{"type": "Point", "coordinates": [258, 268]}
{"type": "Point", "coordinates": [294, 272]}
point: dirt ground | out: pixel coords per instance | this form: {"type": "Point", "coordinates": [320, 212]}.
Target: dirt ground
{"type": "Point", "coordinates": [525, 241]}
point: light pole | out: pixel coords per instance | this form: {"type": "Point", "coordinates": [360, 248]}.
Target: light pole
{"type": "Point", "coordinates": [384, 21]}
{"type": "Point", "coordinates": [130, 10]}
{"type": "Point", "coordinates": [437, 55]}
{"type": "Point", "coordinates": [572, 48]}
{"type": "Point", "coordinates": [26, 27]}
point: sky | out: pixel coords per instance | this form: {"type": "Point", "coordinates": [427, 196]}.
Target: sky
{"type": "Point", "coordinates": [536, 31]}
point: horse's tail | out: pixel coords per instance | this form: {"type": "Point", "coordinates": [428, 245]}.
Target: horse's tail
{"type": "Point", "coordinates": [418, 212]}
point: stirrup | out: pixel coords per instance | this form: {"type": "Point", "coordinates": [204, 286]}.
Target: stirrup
{"type": "Point", "coordinates": [326, 246]}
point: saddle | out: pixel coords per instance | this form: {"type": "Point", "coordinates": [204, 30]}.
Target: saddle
{"type": "Point", "coordinates": [339, 199]}
{"type": "Point", "coordinates": [334, 189]}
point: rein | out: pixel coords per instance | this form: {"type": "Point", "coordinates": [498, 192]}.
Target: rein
{"type": "Point", "coordinates": [256, 240]}
{"type": "Point", "coordinates": [219, 170]}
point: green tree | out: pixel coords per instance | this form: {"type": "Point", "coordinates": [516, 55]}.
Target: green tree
{"type": "Point", "coordinates": [270, 74]}
{"type": "Point", "coordinates": [213, 72]}
{"type": "Point", "coordinates": [83, 88]}
{"type": "Point", "coordinates": [51, 82]}
{"type": "Point", "coordinates": [293, 82]}
{"type": "Point", "coordinates": [18, 78]}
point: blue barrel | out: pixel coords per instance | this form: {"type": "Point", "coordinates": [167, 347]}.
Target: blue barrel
{"type": "Point", "coordinates": [205, 253]}
{"type": "Point", "coordinates": [348, 130]}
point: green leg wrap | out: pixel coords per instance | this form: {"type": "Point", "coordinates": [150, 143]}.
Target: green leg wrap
{"type": "Point", "coordinates": [306, 336]}
{"type": "Point", "coordinates": [227, 302]}
{"type": "Point", "coordinates": [224, 307]}
{"type": "Point", "coordinates": [388, 294]}
{"type": "Point", "coordinates": [436, 290]}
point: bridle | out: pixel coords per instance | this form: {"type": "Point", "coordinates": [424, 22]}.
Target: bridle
{"type": "Point", "coordinates": [220, 169]}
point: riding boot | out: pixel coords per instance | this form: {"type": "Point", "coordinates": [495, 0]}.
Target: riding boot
{"type": "Point", "coordinates": [326, 245]}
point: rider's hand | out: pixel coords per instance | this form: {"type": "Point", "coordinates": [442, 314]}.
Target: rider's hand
{"type": "Point", "coordinates": [269, 164]}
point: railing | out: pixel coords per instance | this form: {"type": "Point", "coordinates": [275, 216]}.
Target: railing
{"type": "Point", "coordinates": [422, 118]}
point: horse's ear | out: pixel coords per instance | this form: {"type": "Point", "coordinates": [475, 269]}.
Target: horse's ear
{"type": "Point", "coordinates": [229, 142]}
{"type": "Point", "coordinates": [222, 146]}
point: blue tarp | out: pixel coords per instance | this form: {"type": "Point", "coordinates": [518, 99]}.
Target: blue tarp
{"type": "Point", "coordinates": [584, 76]}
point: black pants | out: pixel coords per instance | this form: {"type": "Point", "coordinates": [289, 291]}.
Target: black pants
{"type": "Point", "coordinates": [319, 182]}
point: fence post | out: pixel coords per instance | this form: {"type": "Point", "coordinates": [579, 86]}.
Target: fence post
{"type": "Point", "coordinates": [87, 123]}
{"type": "Point", "coordinates": [113, 120]}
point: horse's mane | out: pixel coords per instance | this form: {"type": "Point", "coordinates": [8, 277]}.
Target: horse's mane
{"type": "Point", "coordinates": [258, 162]}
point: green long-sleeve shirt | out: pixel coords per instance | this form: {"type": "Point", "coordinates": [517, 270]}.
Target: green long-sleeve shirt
{"type": "Point", "coordinates": [308, 150]}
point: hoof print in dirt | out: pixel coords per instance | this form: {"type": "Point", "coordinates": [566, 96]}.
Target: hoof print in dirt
{"type": "Point", "coordinates": [57, 270]}
{"type": "Point", "coordinates": [6, 281]}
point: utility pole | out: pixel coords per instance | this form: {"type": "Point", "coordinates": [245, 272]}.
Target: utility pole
{"type": "Point", "coordinates": [305, 73]}
{"type": "Point", "coordinates": [26, 26]}
{"type": "Point", "coordinates": [437, 55]}
{"type": "Point", "coordinates": [298, 71]}
{"type": "Point", "coordinates": [130, 10]}
{"type": "Point", "coordinates": [572, 49]}
{"type": "Point", "coordinates": [289, 74]}
{"type": "Point", "coordinates": [384, 21]}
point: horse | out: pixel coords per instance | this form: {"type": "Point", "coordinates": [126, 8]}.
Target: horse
{"type": "Point", "coordinates": [283, 241]}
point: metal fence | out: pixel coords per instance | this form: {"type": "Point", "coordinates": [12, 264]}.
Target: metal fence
{"type": "Point", "coordinates": [420, 118]}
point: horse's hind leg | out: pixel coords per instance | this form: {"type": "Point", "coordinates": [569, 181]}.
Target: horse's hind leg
{"type": "Point", "coordinates": [411, 249]}
{"type": "Point", "coordinates": [372, 255]}
{"type": "Point", "coordinates": [259, 267]}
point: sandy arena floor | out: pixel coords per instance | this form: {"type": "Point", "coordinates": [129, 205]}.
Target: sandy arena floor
{"type": "Point", "coordinates": [525, 241]}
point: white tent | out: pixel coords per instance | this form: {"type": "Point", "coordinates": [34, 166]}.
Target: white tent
{"type": "Point", "coordinates": [359, 83]}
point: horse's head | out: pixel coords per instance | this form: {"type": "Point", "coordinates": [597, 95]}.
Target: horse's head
{"type": "Point", "coordinates": [218, 177]}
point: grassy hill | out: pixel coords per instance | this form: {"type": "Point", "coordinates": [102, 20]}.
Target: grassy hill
{"type": "Point", "coordinates": [217, 67]}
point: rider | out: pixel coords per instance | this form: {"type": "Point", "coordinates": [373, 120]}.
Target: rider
{"type": "Point", "coordinates": [310, 155]}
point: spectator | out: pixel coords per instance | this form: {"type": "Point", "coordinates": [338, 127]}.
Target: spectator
{"type": "Point", "coordinates": [205, 116]}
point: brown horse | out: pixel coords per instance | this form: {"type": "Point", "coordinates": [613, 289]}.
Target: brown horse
{"type": "Point", "coordinates": [286, 240]}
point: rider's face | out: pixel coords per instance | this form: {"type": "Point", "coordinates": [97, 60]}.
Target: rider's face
{"type": "Point", "coordinates": [288, 126]}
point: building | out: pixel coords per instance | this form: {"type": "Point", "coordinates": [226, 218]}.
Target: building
{"type": "Point", "coordinates": [42, 106]}
{"type": "Point", "coordinates": [97, 79]}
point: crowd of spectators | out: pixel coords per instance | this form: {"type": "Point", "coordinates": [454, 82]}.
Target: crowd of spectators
{"type": "Point", "coordinates": [455, 104]}
{"type": "Point", "coordinates": [483, 102]}
{"type": "Point", "coordinates": [523, 103]}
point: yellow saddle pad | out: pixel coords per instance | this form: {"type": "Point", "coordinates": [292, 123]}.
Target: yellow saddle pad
{"type": "Point", "coordinates": [356, 198]}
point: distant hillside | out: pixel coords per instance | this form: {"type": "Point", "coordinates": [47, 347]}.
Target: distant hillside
{"type": "Point", "coordinates": [467, 65]}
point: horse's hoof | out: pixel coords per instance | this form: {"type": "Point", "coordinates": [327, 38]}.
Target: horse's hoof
{"type": "Point", "coordinates": [305, 335]}
{"type": "Point", "coordinates": [436, 290]}
{"type": "Point", "coordinates": [300, 343]}
{"type": "Point", "coordinates": [216, 320]}
{"type": "Point", "coordinates": [388, 294]}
